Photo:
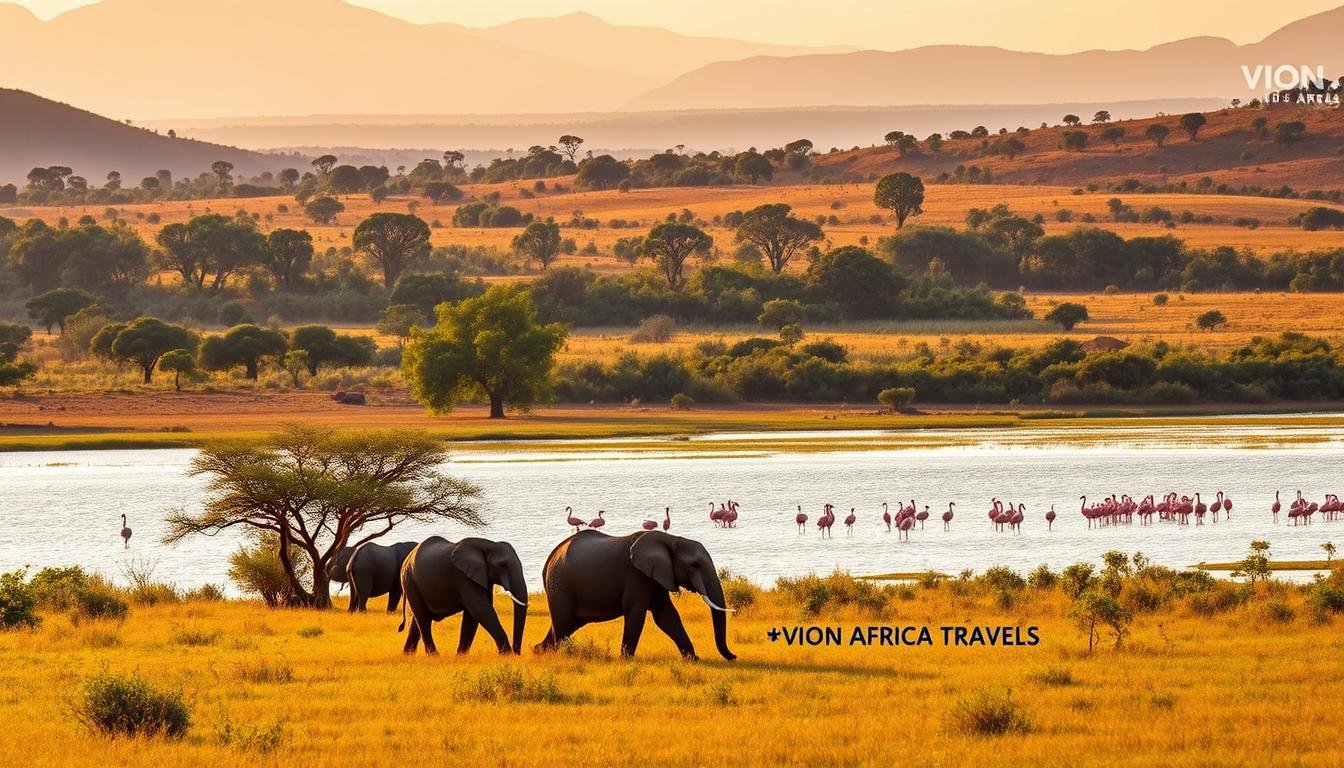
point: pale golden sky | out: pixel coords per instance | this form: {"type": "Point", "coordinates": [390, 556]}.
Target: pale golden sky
{"type": "Point", "coordinates": [1055, 26]}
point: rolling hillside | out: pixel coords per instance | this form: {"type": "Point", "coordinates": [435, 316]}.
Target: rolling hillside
{"type": "Point", "coordinates": [39, 132]}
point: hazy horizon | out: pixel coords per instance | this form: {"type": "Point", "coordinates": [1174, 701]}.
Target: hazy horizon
{"type": "Point", "coordinates": [877, 24]}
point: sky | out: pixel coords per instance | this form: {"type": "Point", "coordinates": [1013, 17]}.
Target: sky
{"type": "Point", "coordinates": [1053, 26]}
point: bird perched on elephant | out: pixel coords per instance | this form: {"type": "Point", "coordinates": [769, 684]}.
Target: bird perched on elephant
{"type": "Point", "coordinates": [595, 577]}
{"type": "Point", "coordinates": [372, 570]}
{"type": "Point", "coordinates": [441, 578]}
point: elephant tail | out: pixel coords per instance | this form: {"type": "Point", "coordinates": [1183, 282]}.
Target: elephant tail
{"type": "Point", "coordinates": [404, 599]}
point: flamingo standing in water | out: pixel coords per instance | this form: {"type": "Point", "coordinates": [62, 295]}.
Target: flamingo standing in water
{"type": "Point", "coordinates": [801, 520]}
{"type": "Point", "coordinates": [907, 523]}
{"type": "Point", "coordinates": [573, 520]}
{"type": "Point", "coordinates": [716, 515]}
{"type": "Point", "coordinates": [649, 524]}
{"type": "Point", "coordinates": [886, 516]}
{"type": "Point", "coordinates": [947, 516]}
{"type": "Point", "coordinates": [730, 516]}
{"type": "Point", "coordinates": [826, 520]}
{"type": "Point", "coordinates": [599, 521]}
{"type": "Point", "coordinates": [849, 522]}
{"type": "Point", "coordinates": [667, 518]}
{"type": "Point", "coordinates": [922, 515]}
{"type": "Point", "coordinates": [1050, 519]}
{"type": "Point", "coordinates": [1227, 506]}
{"type": "Point", "coordinates": [1216, 506]}
{"type": "Point", "coordinates": [1275, 507]}
{"type": "Point", "coordinates": [125, 534]}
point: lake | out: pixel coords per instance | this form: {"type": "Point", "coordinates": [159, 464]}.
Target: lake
{"type": "Point", "coordinates": [59, 508]}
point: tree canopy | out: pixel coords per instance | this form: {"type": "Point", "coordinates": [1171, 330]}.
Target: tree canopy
{"type": "Point", "coordinates": [246, 345]}
{"type": "Point", "coordinates": [540, 242]}
{"type": "Point", "coordinates": [776, 233]}
{"type": "Point", "coordinates": [142, 342]}
{"type": "Point", "coordinates": [900, 193]}
{"type": "Point", "coordinates": [489, 347]}
{"type": "Point", "coordinates": [670, 244]}
{"type": "Point", "coordinates": [392, 241]}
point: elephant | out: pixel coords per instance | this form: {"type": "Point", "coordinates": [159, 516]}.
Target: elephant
{"type": "Point", "coordinates": [595, 577]}
{"type": "Point", "coordinates": [441, 578]}
{"type": "Point", "coordinates": [372, 570]}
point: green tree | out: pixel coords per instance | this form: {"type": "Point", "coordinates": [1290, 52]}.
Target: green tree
{"type": "Point", "coordinates": [1255, 566]}
{"type": "Point", "coordinates": [246, 345]}
{"type": "Point", "coordinates": [223, 171]}
{"type": "Point", "coordinates": [777, 313]}
{"type": "Point", "coordinates": [295, 363]}
{"type": "Point", "coordinates": [288, 254]}
{"type": "Point", "coordinates": [1191, 122]}
{"type": "Point", "coordinates": [1261, 126]}
{"type": "Point", "coordinates": [345, 179]}
{"type": "Point", "coordinates": [1074, 141]}
{"type": "Point", "coordinates": [488, 347]}
{"type": "Point", "coordinates": [902, 194]}
{"type": "Point", "coordinates": [753, 166]}
{"type": "Point", "coordinates": [1157, 133]}
{"type": "Point", "coordinates": [323, 346]}
{"type": "Point", "coordinates": [179, 362]}
{"type": "Point", "coordinates": [601, 172]}
{"type": "Point", "coordinates": [896, 398]}
{"type": "Point", "coordinates": [1329, 549]}
{"type": "Point", "coordinates": [398, 320]}
{"type": "Point", "coordinates": [1210, 320]}
{"type": "Point", "coordinates": [1101, 117]}
{"type": "Point", "coordinates": [540, 242]}
{"type": "Point", "coordinates": [1072, 120]}
{"type": "Point", "coordinates": [1094, 609]}
{"type": "Point", "coordinates": [776, 233]}
{"type": "Point", "coordinates": [145, 340]}
{"type": "Point", "coordinates": [319, 490]}
{"type": "Point", "coordinates": [211, 248]}
{"type": "Point", "coordinates": [323, 210]}
{"type": "Point", "coordinates": [393, 242]}
{"type": "Point", "coordinates": [324, 164]}
{"type": "Point", "coordinates": [1113, 134]}
{"type": "Point", "coordinates": [53, 307]}
{"type": "Point", "coordinates": [1066, 315]}
{"type": "Point", "coordinates": [861, 284]}
{"type": "Point", "coordinates": [1290, 133]}
{"type": "Point", "coordinates": [670, 244]}
{"type": "Point", "coordinates": [571, 145]}
{"type": "Point", "coordinates": [439, 192]}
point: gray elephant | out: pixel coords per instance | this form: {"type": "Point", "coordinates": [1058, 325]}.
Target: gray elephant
{"type": "Point", "coordinates": [372, 570]}
{"type": "Point", "coordinates": [441, 578]}
{"type": "Point", "coordinates": [595, 577]}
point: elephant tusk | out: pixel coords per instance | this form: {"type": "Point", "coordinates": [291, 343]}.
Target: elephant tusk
{"type": "Point", "coordinates": [711, 604]}
{"type": "Point", "coordinates": [514, 599]}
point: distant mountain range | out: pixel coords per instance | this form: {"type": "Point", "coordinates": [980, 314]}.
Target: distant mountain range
{"type": "Point", "coordinates": [213, 58]}
{"type": "Point", "coordinates": [39, 132]}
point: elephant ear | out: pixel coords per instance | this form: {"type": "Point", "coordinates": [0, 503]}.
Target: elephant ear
{"type": "Point", "coordinates": [471, 561]}
{"type": "Point", "coordinates": [652, 555]}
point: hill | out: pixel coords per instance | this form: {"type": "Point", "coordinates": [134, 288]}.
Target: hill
{"type": "Point", "coordinates": [40, 132]}
{"type": "Point", "coordinates": [651, 51]}
{"type": "Point", "coordinates": [1229, 151]}
{"type": "Point", "coordinates": [950, 74]}
{"type": "Point", "coordinates": [210, 58]}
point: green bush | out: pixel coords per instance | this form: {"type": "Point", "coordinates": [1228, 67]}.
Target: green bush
{"type": "Point", "coordinates": [896, 398]}
{"type": "Point", "coordinates": [86, 596]}
{"type": "Point", "coordinates": [257, 570]}
{"type": "Point", "coordinates": [115, 705]}
{"type": "Point", "coordinates": [509, 684]}
{"type": "Point", "coordinates": [1042, 577]}
{"type": "Point", "coordinates": [815, 594]}
{"type": "Point", "coordinates": [18, 605]}
{"type": "Point", "coordinates": [738, 591]}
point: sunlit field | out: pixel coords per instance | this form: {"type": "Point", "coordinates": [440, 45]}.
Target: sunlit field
{"type": "Point", "coordinates": [1249, 681]}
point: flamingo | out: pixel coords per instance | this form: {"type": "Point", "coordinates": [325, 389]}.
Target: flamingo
{"type": "Point", "coordinates": [826, 520]}
{"type": "Point", "coordinates": [906, 524]}
{"type": "Point", "coordinates": [1018, 517]}
{"type": "Point", "coordinates": [716, 515]}
{"type": "Point", "coordinates": [125, 534]}
{"type": "Point", "coordinates": [730, 516]}
{"type": "Point", "coordinates": [947, 516]}
{"type": "Point", "coordinates": [667, 518]}
{"type": "Point", "coordinates": [1050, 519]}
{"type": "Point", "coordinates": [1216, 506]}
{"type": "Point", "coordinates": [572, 520]}
{"type": "Point", "coordinates": [801, 520]}
{"type": "Point", "coordinates": [1275, 507]}
{"type": "Point", "coordinates": [1227, 506]}
{"type": "Point", "coordinates": [649, 524]}
{"type": "Point", "coordinates": [599, 521]}
{"type": "Point", "coordinates": [922, 515]}
{"type": "Point", "coordinates": [886, 516]}
{"type": "Point", "coordinates": [849, 522]}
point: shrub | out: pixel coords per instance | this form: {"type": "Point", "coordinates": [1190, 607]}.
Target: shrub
{"type": "Point", "coordinates": [100, 601]}
{"type": "Point", "coordinates": [1278, 611]}
{"type": "Point", "coordinates": [738, 591]}
{"type": "Point", "coordinates": [115, 705]}
{"type": "Point", "coordinates": [1161, 299]}
{"type": "Point", "coordinates": [1057, 677]}
{"type": "Point", "coordinates": [1076, 578]}
{"type": "Point", "coordinates": [1042, 577]}
{"type": "Point", "coordinates": [1326, 595]}
{"type": "Point", "coordinates": [509, 684]}
{"type": "Point", "coordinates": [18, 606]}
{"type": "Point", "coordinates": [206, 593]}
{"type": "Point", "coordinates": [308, 633]}
{"type": "Point", "coordinates": [815, 594]}
{"type": "Point", "coordinates": [658, 329]}
{"type": "Point", "coordinates": [268, 672]}
{"type": "Point", "coordinates": [196, 638]}
{"type": "Point", "coordinates": [257, 570]}
{"type": "Point", "coordinates": [896, 398]}
{"type": "Point", "coordinates": [987, 713]}
{"type": "Point", "coordinates": [681, 401]}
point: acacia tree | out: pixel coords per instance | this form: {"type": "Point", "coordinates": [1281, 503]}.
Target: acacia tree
{"type": "Point", "coordinates": [900, 193]}
{"type": "Point", "coordinates": [540, 242]}
{"type": "Point", "coordinates": [316, 490]}
{"type": "Point", "coordinates": [487, 347]}
{"type": "Point", "coordinates": [142, 342]}
{"type": "Point", "coordinates": [777, 234]}
{"type": "Point", "coordinates": [670, 244]}
{"type": "Point", "coordinates": [53, 307]}
{"type": "Point", "coordinates": [571, 145]}
{"type": "Point", "coordinates": [1157, 133]}
{"type": "Point", "coordinates": [210, 247]}
{"type": "Point", "coordinates": [246, 345]}
{"type": "Point", "coordinates": [1192, 122]}
{"type": "Point", "coordinates": [288, 253]}
{"type": "Point", "coordinates": [393, 241]}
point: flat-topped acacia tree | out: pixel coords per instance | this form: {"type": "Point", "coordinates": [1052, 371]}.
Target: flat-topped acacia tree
{"type": "Point", "coordinates": [489, 347]}
{"type": "Point", "coordinates": [317, 490]}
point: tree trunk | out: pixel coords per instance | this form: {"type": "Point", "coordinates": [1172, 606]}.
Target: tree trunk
{"type": "Point", "coordinates": [321, 587]}
{"type": "Point", "coordinates": [252, 369]}
{"type": "Point", "coordinates": [149, 371]}
{"type": "Point", "coordinates": [177, 381]}
{"type": "Point", "coordinates": [496, 406]}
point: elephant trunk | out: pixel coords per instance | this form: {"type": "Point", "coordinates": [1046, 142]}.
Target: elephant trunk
{"type": "Point", "coordinates": [516, 589]}
{"type": "Point", "coordinates": [711, 591]}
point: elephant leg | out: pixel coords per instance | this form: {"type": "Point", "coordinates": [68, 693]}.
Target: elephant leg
{"type": "Point", "coordinates": [469, 625]}
{"type": "Point", "coordinates": [666, 617]}
{"type": "Point", "coordinates": [562, 623]}
{"type": "Point", "coordinates": [424, 623]}
{"type": "Point", "coordinates": [634, 627]}
{"type": "Point", "coordinates": [412, 638]}
{"type": "Point", "coordinates": [361, 588]}
{"type": "Point", "coordinates": [482, 609]}
{"type": "Point", "coordinates": [393, 599]}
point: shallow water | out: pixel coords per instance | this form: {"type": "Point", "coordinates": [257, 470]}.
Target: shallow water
{"type": "Point", "coordinates": [58, 508]}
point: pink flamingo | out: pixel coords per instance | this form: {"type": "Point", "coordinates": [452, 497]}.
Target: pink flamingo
{"type": "Point", "coordinates": [1050, 519]}
{"type": "Point", "coordinates": [1018, 517]}
{"type": "Point", "coordinates": [1227, 506]}
{"type": "Point", "coordinates": [906, 524]}
{"type": "Point", "coordinates": [667, 518]}
{"type": "Point", "coordinates": [801, 520]}
{"type": "Point", "coordinates": [125, 534]}
{"type": "Point", "coordinates": [599, 522]}
{"type": "Point", "coordinates": [922, 515]}
{"type": "Point", "coordinates": [730, 516]}
{"type": "Point", "coordinates": [886, 516]}
{"type": "Point", "coordinates": [1275, 507]}
{"type": "Point", "coordinates": [574, 521]}
{"type": "Point", "coordinates": [947, 516]}
{"type": "Point", "coordinates": [826, 520]}
{"type": "Point", "coordinates": [849, 522]}
{"type": "Point", "coordinates": [1216, 506]}
{"type": "Point", "coordinates": [649, 524]}
{"type": "Point", "coordinates": [716, 515]}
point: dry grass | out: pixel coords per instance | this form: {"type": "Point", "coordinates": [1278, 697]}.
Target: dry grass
{"type": "Point", "coordinates": [1191, 687]}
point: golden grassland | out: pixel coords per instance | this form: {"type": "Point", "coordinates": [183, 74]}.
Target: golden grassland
{"type": "Point", "coordinates": [851, 203]}
{"type": "Point", "coordinates": [292, 687]}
